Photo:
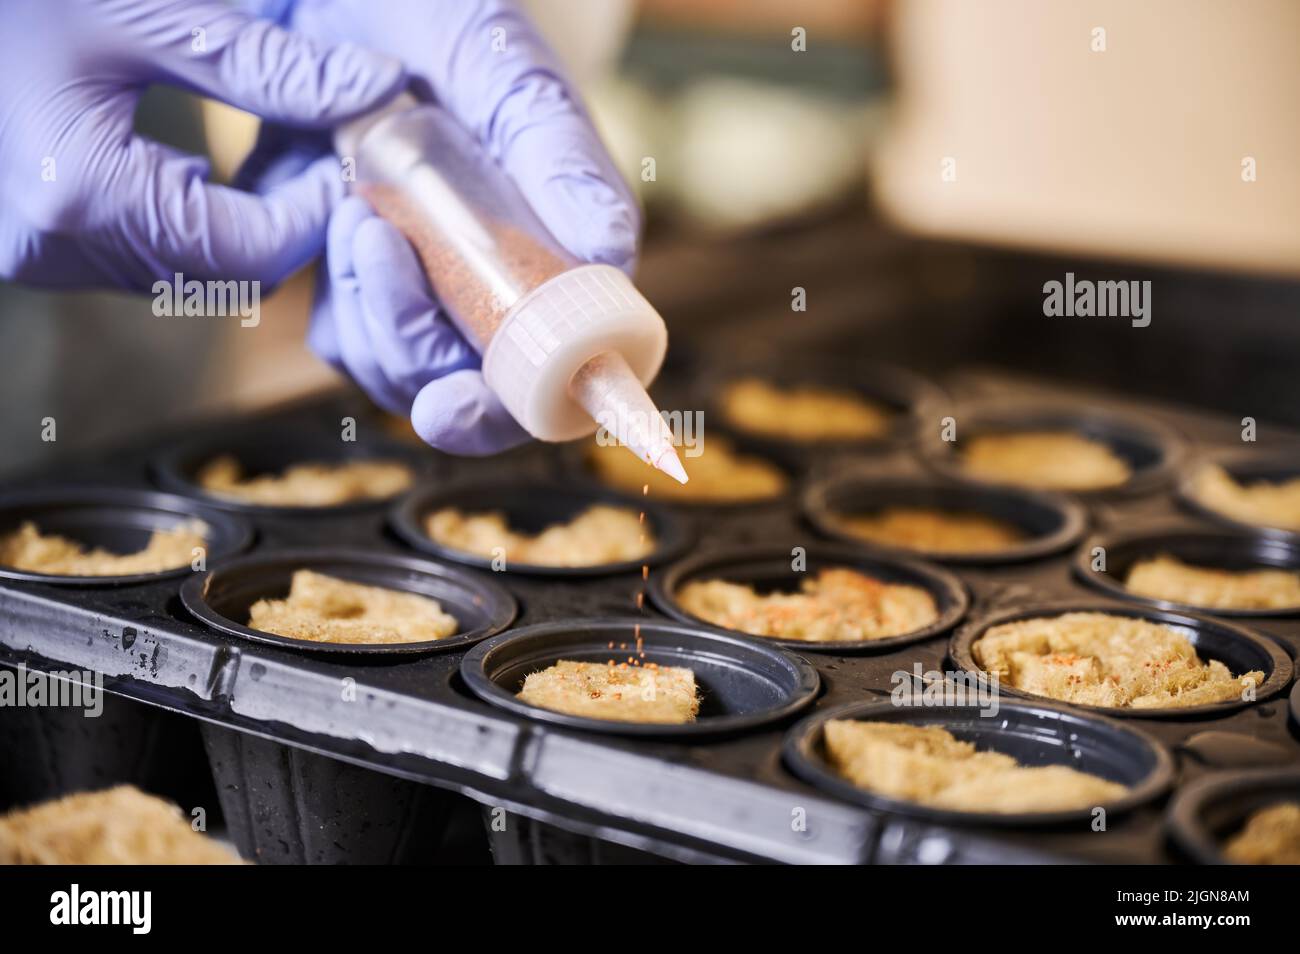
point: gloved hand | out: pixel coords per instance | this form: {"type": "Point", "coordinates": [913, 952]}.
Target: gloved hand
{"type": "Point", "coordinates": [375, 316]}
{"type": "Point", "coordinates": [88, 203]}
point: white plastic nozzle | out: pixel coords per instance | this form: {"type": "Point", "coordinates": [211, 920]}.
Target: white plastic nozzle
{"type": "Point", "coordinates": [554, 331]}
{"type": "Point", "coordinates": [611, 394]}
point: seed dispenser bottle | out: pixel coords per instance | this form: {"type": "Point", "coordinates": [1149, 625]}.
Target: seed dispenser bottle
{"type": "Point", "coordinates": [565, 344]}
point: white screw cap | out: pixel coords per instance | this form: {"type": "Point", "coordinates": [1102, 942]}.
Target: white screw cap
{"type": "Point", "coordinates": [557, 328]}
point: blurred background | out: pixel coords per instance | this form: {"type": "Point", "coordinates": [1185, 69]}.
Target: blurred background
{"type": "Point", "coordinates": [919, 167]}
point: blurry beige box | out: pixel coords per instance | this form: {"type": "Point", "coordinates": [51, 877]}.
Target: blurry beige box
{"type": "Point", "coordinates": [1136, 149]}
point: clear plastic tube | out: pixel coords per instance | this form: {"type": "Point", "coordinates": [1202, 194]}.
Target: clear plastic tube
{"type": "Point", "coordinates": [481, 245]}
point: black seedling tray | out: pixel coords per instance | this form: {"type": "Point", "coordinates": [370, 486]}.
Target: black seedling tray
{"type": "Point", "coordinates": [1230, 549]}
{"type": "Point", "coordinates": [741, 684]}
{"type": "Point", "coordinates": [117, 520]}
{"type": "Point", "coordinates": [1211, 810]}
{"type": "Point", "coordinates": [912, 400]}
{"type": "Point", "coordinates": [222, 597]}
{"type": "Point", "coordinates": [1032, 734]}
{"type": "Point", "coordinates": [1235, 646]}
{"type": "Point", "coordinates": [1049, 522]}
{"type": "Point", "coordinates": [1152, 452]}
{"type": "Point", "coordinates": [531, 507]}
{"type": "Point", "coordinates": [769, 570]}
{"type": "Point", "coordinates": [277, 718]}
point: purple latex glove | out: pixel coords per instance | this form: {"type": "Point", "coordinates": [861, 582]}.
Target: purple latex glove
{"type": "Point", "coordinates": [375, 316]}
{"type": "Point", "coordinates": [87, 203]}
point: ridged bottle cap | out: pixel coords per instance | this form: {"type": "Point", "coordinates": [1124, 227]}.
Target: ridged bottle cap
{"type": "Point", "coordinates": [554, 330]}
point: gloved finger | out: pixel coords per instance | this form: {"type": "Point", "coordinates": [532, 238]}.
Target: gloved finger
{"type": "Point", "coordinates": [555, 156]}
{"type": "Point", "coordinates": [254, 65]}
{"type": "Point", "coordinates": [457, 413]}
{"type": "Point", "coordinates": [335, 304]}
{"type": "Point", "coordinates": [516, 99]}
{"type": "Point", "coordinates": [322, 333]}
{"type": "Point", "coordinates": [49, 260]}
{"type": "Point", "coordinates": [413, 341]}
{"type": "Point", "coordinates": [174, 221]}
{"type": "Point", "coordinates": [354, 346]}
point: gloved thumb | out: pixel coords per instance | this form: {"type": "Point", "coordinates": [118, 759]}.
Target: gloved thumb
{"type": "Point", "coordinates": [254, 65]}
{"type": "Point", "coordinates": [457, 413]}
